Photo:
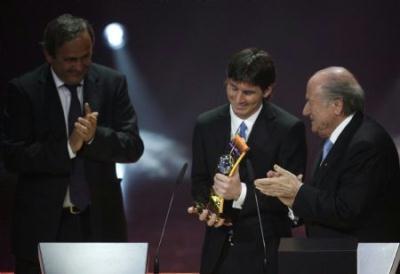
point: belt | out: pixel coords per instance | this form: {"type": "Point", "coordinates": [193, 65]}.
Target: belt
{"type": "Point", "coordinates": [73, 210]}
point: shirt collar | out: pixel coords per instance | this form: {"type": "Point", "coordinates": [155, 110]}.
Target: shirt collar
{"type": "Point", "coordinates": [339, 129]}
{"type": "Point", "coordinates": [57, 81]}
{"type": "Point", "coordinates": [236, 121]}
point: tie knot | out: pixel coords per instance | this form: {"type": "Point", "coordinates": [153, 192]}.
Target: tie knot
{"type": "Point", "coordinates": [72, 88]}
{"type": "Point", "coordinates": [327, 147]}
{"type": "Point", "coordinates": [242, 130]}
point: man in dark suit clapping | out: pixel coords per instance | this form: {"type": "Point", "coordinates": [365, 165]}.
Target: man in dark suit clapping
{"type": "Point", "coordinates": [66, 124]}
{"type": "Point", "coordinates": [354, 188]}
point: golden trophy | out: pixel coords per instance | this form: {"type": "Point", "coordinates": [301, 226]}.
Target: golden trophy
{"type": "Point", "coordinates": [228, 164]}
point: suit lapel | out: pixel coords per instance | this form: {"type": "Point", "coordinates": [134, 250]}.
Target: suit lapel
{"type": "Point", "coordinates": [223, 126]}
{"type": "Point", "coordinates": [91, 90]}
{"type": "Point", "coordinates": [49, 102]}
{"type": "Point", "coordinates": [316, 166]}
{"type": "Point", "coordinates": [338, 150]}
{"type": "Point", "coordinates": [263, 128]}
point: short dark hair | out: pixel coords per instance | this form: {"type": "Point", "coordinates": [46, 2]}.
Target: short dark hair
{"type": "Point", "coordinates": [62, 29]}
{"type": "Point", "coordinates": [253, 66]}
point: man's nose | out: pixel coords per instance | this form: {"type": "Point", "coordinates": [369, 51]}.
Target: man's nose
{"type": "Point", "coordinates": [79, 64]}
{"type": "Point", "coordinates": [306, 110]}
{"type": "Point", "coordinates": [239, 97]}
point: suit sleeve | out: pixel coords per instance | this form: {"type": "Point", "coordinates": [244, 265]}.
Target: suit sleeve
{"type": "Point", "coordinates": [201, 180]}
{"type": "Point", "coordinates": [291, 154]}
{"type": "Point", "coordinates": [358, 184]}
{"type": "Point", "coordinates": [293, 151]}
{"type": "Point", "coordinates": [24, 151]}
{"type": "Point", "coordinates": [118, 141]}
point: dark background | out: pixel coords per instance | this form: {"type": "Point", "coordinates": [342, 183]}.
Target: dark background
{"type": "Point", "coordinates": [178, 51]}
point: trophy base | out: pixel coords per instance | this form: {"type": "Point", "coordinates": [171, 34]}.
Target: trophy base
{"type": "Point", "coordinates": [215, 205]}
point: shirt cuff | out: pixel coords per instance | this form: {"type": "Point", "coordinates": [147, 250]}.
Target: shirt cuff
{"type": "Point", "coordinates": [71, 153]}
{"type": "Point", "coordinates": [90, 141]}
{"type": "Point", "coordinates": [239, 202]}
{"type": "Point", "coordinates": [293, 217]}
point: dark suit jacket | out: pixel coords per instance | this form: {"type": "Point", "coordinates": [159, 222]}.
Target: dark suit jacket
{"type": "Point", "coordinates": [277, 137]}
{"type": "Point", "coordinates": [354, 193]}
{"type": "Point", "coordinates": [35, 146]}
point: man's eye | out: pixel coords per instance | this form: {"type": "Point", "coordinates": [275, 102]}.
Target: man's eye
{"type": "Point", "coordinates": [233, 88]}
{"type": "Point", "coordinates": [247, 92]}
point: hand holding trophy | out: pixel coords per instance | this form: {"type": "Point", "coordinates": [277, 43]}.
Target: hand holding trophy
{"type": "Point", "coordinates": [227, 165]}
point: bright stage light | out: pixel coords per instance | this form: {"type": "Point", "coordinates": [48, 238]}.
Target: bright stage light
{"type": "Point", "coordinates": [115, 35]}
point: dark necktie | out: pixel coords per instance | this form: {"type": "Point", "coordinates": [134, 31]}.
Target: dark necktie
{"type": "Point", "coordinates": [78, 188]}
{"type": "Point", "coordinates": [75, 109]}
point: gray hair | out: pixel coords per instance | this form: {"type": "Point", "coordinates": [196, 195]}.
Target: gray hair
{"type": "Point", "coordinates": [341, 84]}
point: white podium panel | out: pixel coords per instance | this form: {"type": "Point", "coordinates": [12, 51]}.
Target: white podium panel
{"type": "Point", "coordinates": [377, 258]}
{"type": "Point", "coordinates": [93, 258]}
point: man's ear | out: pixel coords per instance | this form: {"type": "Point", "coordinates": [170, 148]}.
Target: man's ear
{"type": "Point", "coordinates": [268, 92]}
{"type": "Point", "coordinates": [338, 103]}
{"type": "Point", "coordinates": [48, 56]}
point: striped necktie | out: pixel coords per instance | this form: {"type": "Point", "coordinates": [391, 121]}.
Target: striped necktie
{"type": "Point", "coordinates": [242, 130]}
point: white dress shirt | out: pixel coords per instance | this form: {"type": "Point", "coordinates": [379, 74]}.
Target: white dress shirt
{"type": "Point", "coordinates": [65, 98]}
{"type": "Point", "coordinates": [235, 124]}
{"type": "Point", "coordinates": [339, 129]}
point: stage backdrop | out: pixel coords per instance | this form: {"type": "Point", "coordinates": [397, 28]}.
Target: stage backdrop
{"type": "Point", "coordinates": [175, 59]}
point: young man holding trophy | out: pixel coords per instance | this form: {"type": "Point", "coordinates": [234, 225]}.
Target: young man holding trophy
{"type": "Point", "coordinates": [234, 144]}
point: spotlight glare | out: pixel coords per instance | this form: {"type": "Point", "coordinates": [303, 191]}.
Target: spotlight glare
{"type": "Point", "coordinates": [115, 35]}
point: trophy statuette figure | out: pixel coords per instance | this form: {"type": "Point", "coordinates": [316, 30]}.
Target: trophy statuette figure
{"type": "Point", "coordinates": [228, 164]}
